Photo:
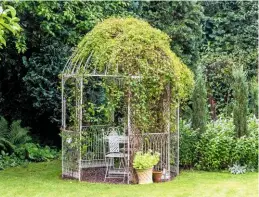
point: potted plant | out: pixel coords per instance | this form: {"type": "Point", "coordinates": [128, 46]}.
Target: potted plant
{"type": "Point", "coordinates": [143, 164]}
{"type": "Point", "coordinates": [157, 174]}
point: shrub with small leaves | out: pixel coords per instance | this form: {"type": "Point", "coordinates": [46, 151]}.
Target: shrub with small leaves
{"type": "Point", "coordinates": [188, 142]}
{"type": "Point", "coordinates": [215, 146]}
{"type": "Point", "coordinates": [218, 147]}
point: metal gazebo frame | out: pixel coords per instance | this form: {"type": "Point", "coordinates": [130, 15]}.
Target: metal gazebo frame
{"type": "Point", "coordinates": [73, 161]}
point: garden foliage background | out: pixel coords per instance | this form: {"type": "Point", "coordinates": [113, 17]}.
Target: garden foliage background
{"type": "Point", "coordinates": [213, 35]}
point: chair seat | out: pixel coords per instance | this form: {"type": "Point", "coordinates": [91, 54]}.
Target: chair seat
{"type": "Point", "coordinates": [118, 155]}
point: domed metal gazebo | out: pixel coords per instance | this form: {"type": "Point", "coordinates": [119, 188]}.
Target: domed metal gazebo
{"type": "Point", "coordinates": [87, 145]}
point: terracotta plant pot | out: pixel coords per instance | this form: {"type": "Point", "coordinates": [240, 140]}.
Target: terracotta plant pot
{"type": "Point", "coordinates": [145, 176]}
{"type": "Point", "coordinates": [157, 176]}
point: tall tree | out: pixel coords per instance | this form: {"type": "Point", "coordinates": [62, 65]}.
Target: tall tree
{"type": "Point", "coordinates": [199, 102]}
{"type": "Point", "coordinates": [29, 81]}
{"type": "Point", "coordinates": [240, 93]}
{"type": "Point", "coordinates": [230, 35]}
{"type": "Point", "coordinates": [182, 21]}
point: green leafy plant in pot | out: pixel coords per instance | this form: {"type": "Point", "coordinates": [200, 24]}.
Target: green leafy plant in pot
{"type": "Point", "coordinates": [143, 164]}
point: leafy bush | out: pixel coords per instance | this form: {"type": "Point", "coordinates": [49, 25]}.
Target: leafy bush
{"type": "Point", "coordinates": [215, 145]}
{"type": "Point", "coordinates": [15, 149]}
{"type": "Point", "coordinates": [245, 151]}
{"type": "Point", "coordinates": [18, 135]}
{"type": "Point", "coordinates": [218, 148]}
{"type": "Point", "coordinates": [253, 96]}
{"type": "Point", "coordinates": [13, 136]}
{"type": "Point", "coordinates": [25, 153]}
{"type": "Point", "coordinates": [143, 161]}
{"type": "Point", "coordinates": [36, 153]}
{"type": "Point", "coordinates": [10, 160]}
{"type": "Point", "coordinates": [188, 141]}
{"type": "Point", "coordinates": [3, 134]}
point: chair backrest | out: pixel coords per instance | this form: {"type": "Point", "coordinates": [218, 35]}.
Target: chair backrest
{"type": "Point", "coordinates": [113, 140]}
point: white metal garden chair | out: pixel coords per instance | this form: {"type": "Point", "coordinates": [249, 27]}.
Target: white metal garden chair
{"type": "Point", "coordinates": [114, 141]}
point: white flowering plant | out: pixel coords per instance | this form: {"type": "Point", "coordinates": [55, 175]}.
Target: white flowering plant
{"type": "Point", "coordinates": [143, 161]}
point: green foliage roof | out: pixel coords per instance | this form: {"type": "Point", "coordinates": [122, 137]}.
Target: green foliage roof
{"type": "Point", "coordinates": [132, 47]}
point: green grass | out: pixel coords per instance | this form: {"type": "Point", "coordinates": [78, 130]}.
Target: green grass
{"type": "Point", "coordinates": [43, 179]}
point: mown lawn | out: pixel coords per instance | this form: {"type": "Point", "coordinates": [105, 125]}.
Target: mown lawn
{"type": "Point", "coordinates": [43, 179]}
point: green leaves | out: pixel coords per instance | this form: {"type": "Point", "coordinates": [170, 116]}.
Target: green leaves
{"type": "Point", "coordinates": [199, 103]}
{"type": "Point", "coordinates": [143, 161]}
{"type": "Point", "coordinates": [13, 136]}
{"type": "Point", "coordinates": [8, 22]}
{"type": "Point", "coordinates": [240, 94]}
{"type": "Point", "coordinates": [181, 21]}
{"type": "Point", "coordinates": [41, 79]}
{"type": "Point", "coordinates": [188, 142]}
{"type": "Point", "coordinates": [230, 37]}
{"type": "Point", "coordinates": [68, 21]}
{"type": "Point", "coordinates": [218, 148]}
{"type": "Point", "coordinates": [129, 47]}
{"type": "Point", "coordinates": [36, 153]}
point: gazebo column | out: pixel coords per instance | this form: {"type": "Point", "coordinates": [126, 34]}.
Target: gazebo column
{"type": "Point", "coordinates": [63, 121]}
{"type": "Point", "coordinates": [129, 135]}
{"type": "Point", "coordinates": [177, 141]}
{"type": "Point", "coordinates": [79, 104]}
{"type": "Point", "coordinates": [167, 124]}
{"type": "Point", "coordinates": [80, 125]}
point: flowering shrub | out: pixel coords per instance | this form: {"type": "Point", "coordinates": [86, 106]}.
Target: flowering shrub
{"type": "Point", "coordinates": [143, 161]}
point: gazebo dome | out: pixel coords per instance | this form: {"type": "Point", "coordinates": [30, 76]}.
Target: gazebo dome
{"type": "Point", "coordinates": [129, 46]}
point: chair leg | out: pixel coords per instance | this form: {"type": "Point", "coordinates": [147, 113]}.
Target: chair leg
{"type": "Point", "coordinates": [122, 167]}
{"type": "Point", "coordinates": [107, 169]}
{"type": "Point", "coordinates": [112, 162]}
{"type": "Point", "coordinates": [125, 169]}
